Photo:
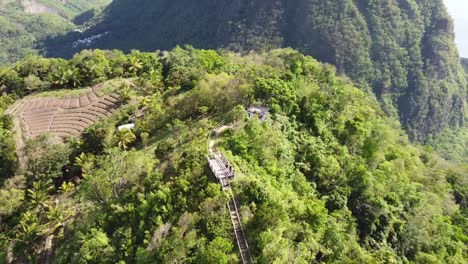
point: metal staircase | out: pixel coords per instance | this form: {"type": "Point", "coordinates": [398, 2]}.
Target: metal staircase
{"type": "Point", "coordinates": [224, 171]}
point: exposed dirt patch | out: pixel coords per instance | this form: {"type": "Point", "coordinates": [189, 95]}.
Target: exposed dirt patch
{"type": "Point", "coordinates": [33, 7]}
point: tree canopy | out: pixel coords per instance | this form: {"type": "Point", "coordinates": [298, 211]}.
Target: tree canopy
{"type": "Point", "coordinates": [327, 177]}
{"type": "Point", "coordinates": [402, 51]}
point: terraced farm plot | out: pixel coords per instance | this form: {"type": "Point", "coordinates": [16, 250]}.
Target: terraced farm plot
{"type": "Point", "coordinates": [62, 117]}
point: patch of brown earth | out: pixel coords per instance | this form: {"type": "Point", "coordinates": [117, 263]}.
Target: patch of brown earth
{"type": "Point", "coordinates": [62, 117]}
{"type": "Point", "coordinates": [33, 7]}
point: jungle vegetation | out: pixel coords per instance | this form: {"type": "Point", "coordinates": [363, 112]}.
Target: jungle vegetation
{"type": "Point", "coordinates": [403, 51]}
{"type": "Point", "coordinates": [329, 177]}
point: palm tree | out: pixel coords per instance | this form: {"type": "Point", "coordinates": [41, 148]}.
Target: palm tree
{"type": "Point", "coordinates": [85, 162]}
{"type": "Point", "coordinates": [135, 65]}
{"type": "Point", "coordinates": [74, 77]}
{"type": "Point", "coordinates": [125, 92]}
{"type": "Point", "coordinates": [65, 77]}
{"type": "Point", "coordinates": [83, 159]}
{"type": "Point", "coordinates": [66, 187]}
{"type": "Point", "coordinates": [125, 137]}
{"type": "Point", "coordinates": [60, 77]}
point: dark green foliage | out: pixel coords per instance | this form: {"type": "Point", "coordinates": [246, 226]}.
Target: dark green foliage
{"type": "Point", "coordinates": [457, 179]}
{"type": "Point", "coordinates": [46, 160]}
{"type": "Point", "coordinates": [86, 68]}
{"type": "Point", "coordinates": [327, 177]}
{"type": "Point", "coordinates": [464, 63]}
{"type": "Point", "coordinates": [8, 159]}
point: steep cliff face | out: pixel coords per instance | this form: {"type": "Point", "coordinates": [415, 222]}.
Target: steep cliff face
{"type": "Point", "coordinates": [464, 63]}
{"type": "Point", "coordinates": [402, 50]}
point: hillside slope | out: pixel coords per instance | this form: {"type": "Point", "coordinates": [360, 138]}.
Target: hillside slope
{"type": "Point", "coordinates": [26, 23]}
{"type": "Point", "coordinates": [404, 50]}
{"type": "Point", "coordinates": [326, 178]}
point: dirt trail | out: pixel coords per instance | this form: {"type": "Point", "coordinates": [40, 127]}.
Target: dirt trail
{"type": "Point", "coordinates": [214, 136]}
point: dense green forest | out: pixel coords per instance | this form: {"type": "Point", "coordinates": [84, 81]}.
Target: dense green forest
{"type": "Point", "coordinates": [452, 144]}
{"type": "Point", "coordinates": [402, 50]}
{"type": "Point", "coordinates": [327, 178]}
{"type": "Point", "coordinates": [24, 24]}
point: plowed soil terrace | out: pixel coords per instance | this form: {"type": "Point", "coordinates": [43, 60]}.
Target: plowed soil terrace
{"type": "Point", "coordinates": [62, 117]}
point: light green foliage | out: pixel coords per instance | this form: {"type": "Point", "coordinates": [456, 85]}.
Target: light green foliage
{"type": "Point", "coordinates": [124, 138]}
{"type": "Point", "coordinates": [12, 195]}
{"type": "Point", "coordinates": [87, 68]}
{"type": "Point", "coordinates": [185, 67]}
{"type": "Point", "coordinates": [10, 81]}
{"type": "Point", "coordinates": [327, 177]}
{"type": "Point", "coordinates": [452, 144]}
{"type": "Point", "coordinates": [104, 185]}
{"type": "Point", "coordinates": [217, 252]}
{"type": "Point", "coordinates": [71, 8]}
{"type": "Point", "coordinates": [95, 248]}
{"type": "Point", "coordinates": [20, 32]}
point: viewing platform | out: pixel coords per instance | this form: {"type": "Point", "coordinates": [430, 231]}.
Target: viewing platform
{"type": "Point", "coordinates": [221, 168]}
{"type": "Point", "coordinates": [224, 172]}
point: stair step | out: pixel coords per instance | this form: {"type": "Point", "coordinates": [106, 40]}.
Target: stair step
{"type": "Point", "coordinates": [222, 169]}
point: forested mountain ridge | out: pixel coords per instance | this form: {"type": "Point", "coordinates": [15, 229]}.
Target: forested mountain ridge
{"type": "Point", "coordinates": [26, 23]}
{"type": "Point", "coordinates": [328, 177]}
{"type": "Point", "coordinates": [403, 50]}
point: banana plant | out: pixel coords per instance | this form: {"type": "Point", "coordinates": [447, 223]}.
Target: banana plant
{"type": "Point", "coordinates": [66, 187]}
{"type": "Point", "coordinates": [38, 194]}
